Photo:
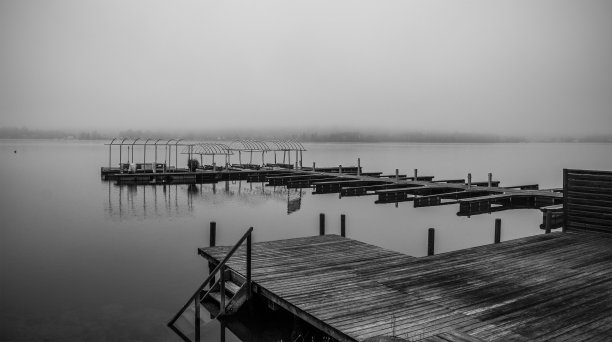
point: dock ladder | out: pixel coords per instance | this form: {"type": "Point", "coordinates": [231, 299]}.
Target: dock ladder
{"type": "Point", "coordinates": [222, 297]}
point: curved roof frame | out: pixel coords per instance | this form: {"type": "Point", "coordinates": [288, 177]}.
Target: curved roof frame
{"type": "Point", "coordinates": [287, 145]}
{"type": "Point", "coordinates": [247, 145]}
{"type": "Point", "coordinates": [208, 149]}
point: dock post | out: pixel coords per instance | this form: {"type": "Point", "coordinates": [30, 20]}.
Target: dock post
{"type": "Point", "coordinates": [313, 166]}
{"type": "Point", "coordinates": [213, 233]}
{"type": "Point", "coordinates": [343, 225]}
{"type": "Point", "coordinates": [339, 169]}
{"type": "Point", "coordinates": [431, 235]}
{"type": "Point", "coordinates": [396, 175]}
{"type": "Point", "coordinates": [358, 166]}
{"type": "Point", "coordinates": [497, 238]}
{"type": "Point", "coordinates": [197, 316]}
{"type": "Point", "coordinates": [212, 242]}
{"type": "Point", "coordinates": [469, 180]}
{"type": "Point", "coordinates": [248, 265]}
{"type": "Point", "coordinates": [321, 224]}
{"type": "Point", "coordinates": [416, 171]}
{"type": "Point", "coordinates": [222, 290]}
{"type": "Point", "coordinates": [490, 182]}
{"type": "Point", "coordinates": [548, 223]}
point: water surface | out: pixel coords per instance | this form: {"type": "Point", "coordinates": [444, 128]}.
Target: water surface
{"type": "Point", "coordinates": [84, 259]}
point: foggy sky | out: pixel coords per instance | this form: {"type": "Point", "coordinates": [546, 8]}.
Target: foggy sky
{"type": "Point", "coordinates": [507, 67]}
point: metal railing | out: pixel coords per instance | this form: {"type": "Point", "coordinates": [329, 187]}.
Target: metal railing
{"type": "Point", "coordinates": [197, 297]}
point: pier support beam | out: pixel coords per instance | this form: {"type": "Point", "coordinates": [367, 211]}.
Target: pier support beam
{"type": "Point", "coordinates": [343, 225]}
{"type": "Point", "coordinates": [497, 238]}
{"type": "Point", "coordinates": [431, 235]}
{"type": "Point", "coordinates": [321, 224]}
{"type": "Point", "coordinates": [548, 223]}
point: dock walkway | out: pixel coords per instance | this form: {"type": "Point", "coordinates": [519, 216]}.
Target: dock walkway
{"type": "Point", "coordinates": [540, 288]}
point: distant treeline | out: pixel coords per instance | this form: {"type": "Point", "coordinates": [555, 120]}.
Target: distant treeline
{"type": "Point", "coordinates": [349, 136]}
{"type": "Point", "coordinates": [25, 133]}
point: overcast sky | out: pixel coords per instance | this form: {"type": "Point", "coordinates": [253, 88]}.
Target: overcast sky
{"type": "Point", "coordinates": [516, 67]}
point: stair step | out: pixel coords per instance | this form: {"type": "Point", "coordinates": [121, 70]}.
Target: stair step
{"type": "Point", "coordinates": [231, 287]}
{"type": "Point", "coordinates": [217, 297]}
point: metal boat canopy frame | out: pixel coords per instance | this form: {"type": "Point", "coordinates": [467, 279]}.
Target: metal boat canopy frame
{"type": "Point", "coordinates": [287, 147]}
{"type": "Point", "coordinates": [131, 143]}
{"type": "Point", "coordinates": [208, 149]}
{"type": "Point", "coordinates": [276, 145]}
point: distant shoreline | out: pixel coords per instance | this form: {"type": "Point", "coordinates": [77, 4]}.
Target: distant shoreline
{"type": "Point", "coordinates": [306, 137]}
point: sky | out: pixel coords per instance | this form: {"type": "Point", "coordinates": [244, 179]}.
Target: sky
{"type": "Point", "coordinates": [508, 67]}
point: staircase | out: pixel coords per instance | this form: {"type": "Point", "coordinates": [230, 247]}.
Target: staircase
{"type": "Point", "coordinates": [220, 297]}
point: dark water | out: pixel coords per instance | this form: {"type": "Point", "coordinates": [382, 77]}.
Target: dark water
{"type": "Point", "coordinates": [83, 259]}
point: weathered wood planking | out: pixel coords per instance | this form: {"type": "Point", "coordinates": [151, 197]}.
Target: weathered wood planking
{"type": "Point", "coordinates": [587, 204]}
{"type": "Point", "coordinates": [541, 288]}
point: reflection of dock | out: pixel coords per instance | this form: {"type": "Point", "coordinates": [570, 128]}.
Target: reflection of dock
{"type": "Point", "coordinates": [175, 200]}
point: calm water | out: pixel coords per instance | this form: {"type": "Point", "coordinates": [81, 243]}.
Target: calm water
{"type": "Point", "coordinates": [83, 259]}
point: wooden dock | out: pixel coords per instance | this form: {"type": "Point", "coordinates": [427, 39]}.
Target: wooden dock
{"type": "Point", "coordinates": [541, 288]}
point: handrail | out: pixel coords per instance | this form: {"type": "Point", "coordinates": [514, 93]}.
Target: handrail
{"type": "Point", "coordinates": [246, 236]}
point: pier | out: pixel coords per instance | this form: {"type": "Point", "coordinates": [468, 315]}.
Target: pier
{"type": "Point", "coordinates": [473, 197]}
{"type": "Point", "coordinates": [548, 287]}
{"type": "Point", "coordinates": [554, 286]}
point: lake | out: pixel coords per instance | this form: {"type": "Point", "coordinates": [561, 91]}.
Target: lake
{"type": "Point", "coordinates": [85, 259]}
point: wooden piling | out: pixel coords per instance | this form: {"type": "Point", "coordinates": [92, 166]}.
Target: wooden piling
{"type": "Point", "coordinates": [497, 238]}
{"type": "Point", "coordinates": [490, 181]}
{"type": "Point", "coordinates": [213, 233]}
{"type": "Point", "coordinates": [431, 235]}
{"type": "Point", "coordinates": [339, 168]}
{"type": "Point", "coordinates": [343, 225]}
{"type": "Point", "coordinates": [358, 166]}
{"type": "Point", "coordinates": [416, 171]}
{"type": "Point", "coordinates": [397, 175]}
{"type": "Point", "coordinates": [469, 180]}
{"type": "Point", "coordinates": [548, 223]}
{"type": "Point", "coordinates": [196, 303]}
{"type": "Point", "coordinates": [321, 224]}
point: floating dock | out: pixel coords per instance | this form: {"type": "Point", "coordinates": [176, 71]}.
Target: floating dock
{"type": "Point", "coordinates": [541, 288]}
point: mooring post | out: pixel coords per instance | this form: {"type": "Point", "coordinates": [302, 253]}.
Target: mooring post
{"type": "Point", "coordinates": [196, 302]}
{"type": "Point", "coordinates": [396, 175]}
{"type": "Point", "coordinates": [548, 223]}
{"type": "Point", "coordinates": [431, 235]}
{"type": "Point", "coordinates": [321, 224]}
{"type": "Point", "coordinates": [340, 169]}
{"type": "Point", "coordinates": [490, 182]}
{"type": "Point", "coordinates": [214, 167]}
{"type": "Point", "coordinates": [343, 225]}
{"type": "Point", "coordinates": [497, 230]}
{"type": "Point", "coordinates": [212, 242]}
{"type": "Point", "coordinates": [416, 171]}
{"type": "Point", "coordinates": [313, 166]}
{"type": "Point", "coordinates": [358, 166]}
{"type": "Point", "coordinates": [213, 233]}
{"type": "Point", "coordinates": [469, 180]}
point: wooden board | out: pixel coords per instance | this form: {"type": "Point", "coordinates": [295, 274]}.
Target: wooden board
{"type": "Point", "coordinates": [546, 287]}
{"type": "Point", "coordinates": [587, 204]}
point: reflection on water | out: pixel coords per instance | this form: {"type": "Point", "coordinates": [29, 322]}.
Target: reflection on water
{"type": "Point", "coordinates": [138, 202]}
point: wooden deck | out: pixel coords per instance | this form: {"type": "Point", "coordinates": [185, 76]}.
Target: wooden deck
{"type": "Point", "coordinates": [542, 288]}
